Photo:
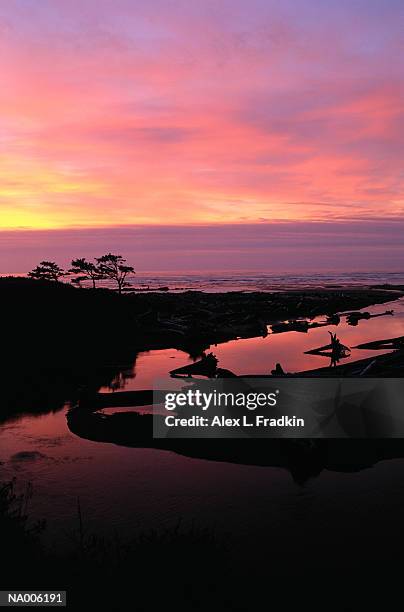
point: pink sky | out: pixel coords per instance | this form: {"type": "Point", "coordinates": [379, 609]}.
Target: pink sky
{"type": "Point", "coordinates": [305, 246]}
{"type": "Point", "coordinates": [166, 112]}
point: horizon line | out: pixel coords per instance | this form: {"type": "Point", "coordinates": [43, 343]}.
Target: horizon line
{"type": "Point", "coordinates": [216, 224]}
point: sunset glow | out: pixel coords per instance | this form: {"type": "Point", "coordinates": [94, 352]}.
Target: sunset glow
{"type": "Point", "coordinates": [135, 112]}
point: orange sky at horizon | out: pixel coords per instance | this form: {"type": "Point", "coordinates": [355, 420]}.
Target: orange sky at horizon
{"type": "Point", "coordinates": [207, 113]}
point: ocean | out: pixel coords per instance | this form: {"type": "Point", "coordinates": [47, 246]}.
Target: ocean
{"type": "Point", "coordinates": [250, 281]}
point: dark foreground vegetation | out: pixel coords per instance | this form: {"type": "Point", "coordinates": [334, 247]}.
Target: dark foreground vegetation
{"type": "Point", "coordinates": [142, 573]}
{"type": "Point", "coordinates": [333, 564]}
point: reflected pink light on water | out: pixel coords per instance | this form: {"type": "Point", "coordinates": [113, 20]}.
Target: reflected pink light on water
{"type": "Point", "coordinates": [126, 487]}
{"type": "Point", "coordinates": [260, 355]}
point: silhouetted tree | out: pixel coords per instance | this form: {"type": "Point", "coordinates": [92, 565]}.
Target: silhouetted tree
{"type": "Point", "coordinates": [85, 270]}
{"type": "Point", "coordinates": [113, 267]}
{"type": "Point", "coordinates": [47, 270]}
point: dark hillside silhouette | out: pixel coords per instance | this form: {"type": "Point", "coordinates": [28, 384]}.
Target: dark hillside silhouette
{"type": "Point", "coordinates": [59, 339]}
{"type": "Point", "coordinates": [58, 324]}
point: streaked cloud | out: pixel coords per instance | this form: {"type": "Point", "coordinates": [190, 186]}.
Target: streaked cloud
{"type": "Point", "coordinates": [129, 112]}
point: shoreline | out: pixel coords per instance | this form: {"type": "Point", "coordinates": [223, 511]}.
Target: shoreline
{"type": "Point", "coordinates": [43, 315]}
{"type": "Point", "coordinates": [192, 321]}
{"type": "Point", "coordinates": [75, 339]}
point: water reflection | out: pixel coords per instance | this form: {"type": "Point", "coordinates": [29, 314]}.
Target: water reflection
{"type": "Point", "coordinates": [288, 349]}
{"type": "Point", "coordinates": [42, 390]}
{"type": "Point", "coordinates": [126, 487]}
